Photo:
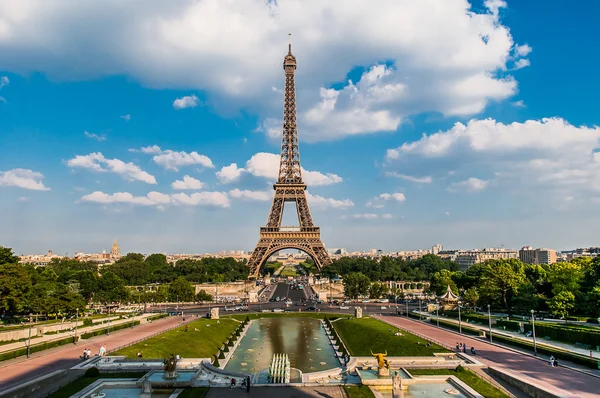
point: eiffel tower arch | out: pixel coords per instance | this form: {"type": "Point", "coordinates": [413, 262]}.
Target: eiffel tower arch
{"type": "Point", "coordinates": [289, 188]}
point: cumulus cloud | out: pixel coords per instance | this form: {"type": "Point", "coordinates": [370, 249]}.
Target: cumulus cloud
{"type": "Point", "coordinates": [271, 127]}
{"type": "Point", "coordinates": [537, 154]}
{"type": "Point", "coordinates": [23, 178]}
{"type": "Point", "coordinates": [420, 180]}
{"type": "Point", "coordinates": [173, 160]}
{"type": "Point", "coordinates": [97, 162]}
{"type": "Point", "coordinates": [469, 185]}
{"type": "Point", "coordinates": [266, 165]}
{"type": "Point", "coordinates": [522, 50]}
{"type": "Point", "coordinates": [188, 182]}
{"type": "Point", "coordinates": [321, 203]}
{"type": "Point", "coordinates": [150, 150]}
{"type": "Point", "coordinates": [96, 137]}
{"type": "Point", "coordinates": [189, 101]}
{"type": "Point", "coordinates": [377, 202]}
{"type": "Point", "coordinates": [126, 117]}
{"type": "Point", "coordinates": [456, 68]}
{"type": "Point", "coordinates": [158, 199]}
{"type": "Point", "coordinates": [251, 195]}
{"type": "Point", "coordinates": [229, 174]}
{"type": "Point", "coordinates": [521, 63]}
{"type": "Point", "coordinates": [518, 104]}
{"type": "Point", "coordinates": [4, 81]}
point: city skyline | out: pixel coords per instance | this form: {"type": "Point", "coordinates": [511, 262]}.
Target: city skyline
{"type": "Point", "coordinates": [461, 135]}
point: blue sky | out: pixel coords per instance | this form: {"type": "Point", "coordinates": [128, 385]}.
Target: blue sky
{"type": "Point", "coordinates": [471, 125]}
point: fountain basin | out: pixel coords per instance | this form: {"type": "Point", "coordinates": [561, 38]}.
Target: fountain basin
{"type": "Point", "coordinates": [184, 378]}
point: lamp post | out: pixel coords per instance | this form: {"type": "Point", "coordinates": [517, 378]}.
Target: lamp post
{"type": "Point", "coordinates": [419, 309]}
{"type": "Point", "coordinates": [406, 301]}
{"type": "Point", "coordinates": [490, 321]}
{"type": "Point", "coordinates": [29, 343]}
{"type": "Point", "coordinates": [533, 328]}
{"type": "Point", "coordinates": [437, 312]}
{"type": "Point", "coordinates": [459, 320]}
{"type": "Point", "coordinates": [76, 321]}
{"type": "Point", "coordinates": [132, 319]}
{"type": "Point", "coordinates": [108, 323]}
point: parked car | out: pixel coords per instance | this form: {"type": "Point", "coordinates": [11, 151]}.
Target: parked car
{"type": "Point", "coordinates": [344, 307]}
{"type": "Point", "coordinates": [383, 307]}
{"type": "Point", "coordinates": [311, 308]}
{"type": "Point", "coordinates": [229, 308]}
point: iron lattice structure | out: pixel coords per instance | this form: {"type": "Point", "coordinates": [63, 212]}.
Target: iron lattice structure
{"type": "Point", "coordinates": [289, 188]}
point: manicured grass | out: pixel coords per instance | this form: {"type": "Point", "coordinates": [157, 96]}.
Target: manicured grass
{"type": "Point", "coordinates": [203, 343]}
{"type": "Point", "coordinates": [288, 271]}
{"type": "Point", "coordinates": [358, 392]}
{"type": "Point", "coordinates": [197, 392]}
{"type": "Point", "coordinates": [364, 335]}
{"type": "Point", "coordinates": [80, 384]}
{"type": "Point", "coordinates": [466, 376]}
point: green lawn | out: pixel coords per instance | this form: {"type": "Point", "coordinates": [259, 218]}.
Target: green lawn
{"type": "Point", "coordinates": [202, 343]}
{"type": "Point", "coordinates": [304, 314]}
{"type": "Point", "coordinates": [359, 392]}
{"type": "Point", "coordinates": [196, 392]}
{"type": "Point", "coordinates": [364, 335]}
{"type": "Point", "coordinates": [469, 378]}
{"type": "Point", "coordinates": [80, 384]}
{"type": "Point", "coordinates": [288, 271]}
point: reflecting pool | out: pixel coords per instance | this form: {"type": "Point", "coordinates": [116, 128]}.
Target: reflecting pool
{"type": "Point", "coordinates": [302, 339]}
{"type": "Point", "coordinates": [428, 389]}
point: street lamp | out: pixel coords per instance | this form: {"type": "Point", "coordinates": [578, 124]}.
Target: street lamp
{"type": "Point", "coordinates": [76, 320]}
{"type": "Point", "coordinates": [108, 323]}
{"type": "Point", "coordinates": [437, 312]}
{"type": "Point", "coordinates": [459, 320]}
{"type": "Point", "coordinates": [29, 343]}
{"type": "Point", "coordinates": [406, 301]}
{"type": "Point", "coordinates": [490, 321]}
{"type": "Point", "coordinates": [533, 328]}
{"type": "Point", "coordinates": [132, 319]}
{"type": "Point", "coordinates": [419, 309]}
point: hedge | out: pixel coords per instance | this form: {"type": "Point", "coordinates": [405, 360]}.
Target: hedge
{"type": "Point", "coordinates": [568, 335]}
{"type": "Point", "coordinates": [454, 326]}
{"type": "Point", "coordinates": [155, 317]}
{"type": "Point", "coordinates": [510, 325]}
{"type": "Point", "coordinates": [35, 348]}
{"type": "Point", "coordinates": [112, 329]}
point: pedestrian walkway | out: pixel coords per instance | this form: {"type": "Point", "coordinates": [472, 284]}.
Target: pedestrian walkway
{"type": "Point", "coordinates": [540, 340]}
{"type": "Point", "coordinates": [68, 333]}
{"type": "Point", "coordinates": [564, 382]}
{"type": "Point", "coordinates": [19, 370]}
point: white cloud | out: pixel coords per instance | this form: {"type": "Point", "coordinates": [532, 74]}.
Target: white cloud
{"type": "Point", "coordinates": [377, 202]}
{"type": "Point", "coordinates": [369, 216]}
{"type": "Point", "coordinates": [518, 104]}
{"type": "Point", "coordinates": [4, 81]}
{"type": "Point", "coordinates": [23, 178]}
{"type": "Point", "coordinates": [251, 195]}
{"type": "Point", "coordinates": [321, 203]}
{"type": "Point", "coordinates": [446, 213]}
{"type": "Point", "coordinates": [149, 150]}
{"type": "Point", "coordinates": [521, 63]}
{"type": "Point", "coordinates": [187, 183]}
{"type": "Point", "coordinates": [126, 117]}
{"type": "Point", "coordinates": [172, 160]}
{"type": "Point", "coordinates": [271, 127]}
{"type": "Point", "coordinates": [186, 45]}
{"type": "Point", "coordinates": [189, 101]}
{"type": "Point", "coordinates": [548, 154]}
{"type": "Point", "coordinates": [159, 200]}
{"type": "Point", "coordinates": [469, 185]}
{"type": "Point", "coordinates": [95, 136]}
{"type": "Point", "coordinates": [230, 173]}
{"type": "Point", "coordinates": [266, 165]}
{"type": "Point", "coordinates": [420, 180]}
{"type": "Point", "coordinates": [97, 162]}
{"type": "Point", "coordinates": [216, 199]}
{"type": "Point", "coordinates": [522, 50]}
{"type": "Point", "coordinates": [24, 199]}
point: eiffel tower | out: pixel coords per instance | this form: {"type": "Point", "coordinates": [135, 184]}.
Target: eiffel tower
{"type": "Point", "coordinates": [289, 188]}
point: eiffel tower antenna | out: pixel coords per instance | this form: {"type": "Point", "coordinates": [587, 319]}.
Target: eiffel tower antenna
{"type": "Point", "coordinates": [289, 188]}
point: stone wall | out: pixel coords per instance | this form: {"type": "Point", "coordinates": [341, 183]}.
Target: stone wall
{"type": "Point", "coordinates": [228, 289]}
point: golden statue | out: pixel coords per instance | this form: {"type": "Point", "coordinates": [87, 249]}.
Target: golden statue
{"type": "Point", "coordinates": [381, 361]}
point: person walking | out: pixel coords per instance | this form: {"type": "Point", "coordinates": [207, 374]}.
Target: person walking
{"type": "Point", "coordinates": [552, 360]}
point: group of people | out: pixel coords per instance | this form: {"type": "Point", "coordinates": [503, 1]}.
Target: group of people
{"type": "Point", "coordinates": [87, 353]}
{"type": "Point", "coordinates": [463, 347]}
{"type": "Point", "coordinates": [243, 384]}
{"type": "Point", "coordinates": [553, 362]}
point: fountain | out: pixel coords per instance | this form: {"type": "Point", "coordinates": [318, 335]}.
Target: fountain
{"type": "Point", "coordinates": [279, 370]}
{"type": "Point", "coordinates": [383, 364]}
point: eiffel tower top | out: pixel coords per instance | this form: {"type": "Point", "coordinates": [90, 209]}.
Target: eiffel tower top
{"type": "Point", "coordinates": [289, 165]}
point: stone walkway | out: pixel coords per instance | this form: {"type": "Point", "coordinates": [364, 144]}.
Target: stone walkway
{"type": "Point", "coordinates": [278, 392]}
{"type": "Point", "coordinates": [563, 381]}
{"type": "Point", "coordinates": [19, 370]}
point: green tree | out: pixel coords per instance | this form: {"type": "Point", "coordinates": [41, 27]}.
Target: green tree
{"type": "Point", "coordinates": [561, 304]}
{"type": "Point", "coordinates": [565, 276]}
{"type": "Point", "coordinates": [501, 281]}
{"type": "Point", "coordinates": [180, 289]}
{"type": "Point", "coordinates": [7, 256]}
{"type": "Point", "coordinates": [356, 284]}
{"type": "Point", "coordinates": [15, 284]}
{"type": "Point", "coordinates": [471, 297]}
{"type": "Point", "coordinates": [203, 296]}
{"type": "Point", "coordinates": [440, 282]}
{"type": "Point", "coordinates": [377, 290]}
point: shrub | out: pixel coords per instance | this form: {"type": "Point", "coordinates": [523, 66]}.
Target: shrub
{"type": "Point", "coordinates": [35, 348]}
{"type": "Point", "coordinates": [221, 355]}
{"type": "Point", "coordinates": [92, 372]}
{"type": "Point", "coordinates": [571, 334]}
{"type": "Point", "coordinates": [87, 322]}
{"type": "Point", "coordinates": [216, 361]}
{"type": "Point", "coordinates": [510, 325]}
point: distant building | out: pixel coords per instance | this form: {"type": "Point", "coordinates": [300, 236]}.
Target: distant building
{"type": "Point", "coordinates": [435, 249]}
{"type": "Point", "coordinates": [115, 252]}
{"type": "Point", "coordinates": [467, 258]}
{"type": "Point", "coordinates": [529, 255]}
{"type": "Point", "coordinates": [39, 260]}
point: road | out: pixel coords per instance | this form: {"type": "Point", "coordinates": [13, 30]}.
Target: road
{"type": "Point", "coordinates": [20, 370]}
{"type": "Point", "coordinates": [571, 382]}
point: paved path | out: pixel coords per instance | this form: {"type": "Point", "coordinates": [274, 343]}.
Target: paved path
{"type": "Point", "coordinates": [19, 370]}
{"type": "Point", "coordinates": [566, 382]}
{"type": "Point", "coordinates": [278, 392]}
